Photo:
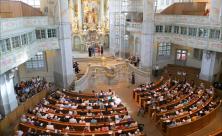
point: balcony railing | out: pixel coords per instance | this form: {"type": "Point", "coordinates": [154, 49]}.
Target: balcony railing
{"type": "Point", "coordinates": [192, 31]}
{"type": "Point", "coordinates": [132, 6]}
{"type": "Point", "coordinates": [185, 19]}
{"type": "Point", "coordinates": [11, 24]}
{"type": "Point", "coordinates": [134, 26]}
{"type": "Point", "coordinates": [21, 38]}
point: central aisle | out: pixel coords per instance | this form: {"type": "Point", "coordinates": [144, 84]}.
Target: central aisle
{"type": "Point", "coordinates": [124, 91]}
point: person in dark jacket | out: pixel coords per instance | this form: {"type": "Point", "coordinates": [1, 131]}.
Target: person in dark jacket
{"type": "Point", "coordinates": [133, 78]}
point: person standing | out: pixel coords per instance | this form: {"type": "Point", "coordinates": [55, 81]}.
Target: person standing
{"type": "Point", "coordinates": [89, 51]}
{"type": "Point", "coordinates": [156, 70]}
{"type": "Point", "coordinates": [133, 78]}
{"type": "Point", "coordinates": [94, 51]}
{"type": "Point", "coordinates": [101, 50]}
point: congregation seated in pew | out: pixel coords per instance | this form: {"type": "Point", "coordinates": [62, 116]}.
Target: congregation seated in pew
{"type": "Point", "coordinates": [26, 89]}
{"type": "Point", "coordinates": [69, 113]}
{"type": "Point", "coordinates": [175, 102]}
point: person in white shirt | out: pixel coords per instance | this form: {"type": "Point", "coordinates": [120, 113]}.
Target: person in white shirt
{"type": "Point", "coordinates": [70, 112]}
{"type": "Point", "coordinates": [126, 117]}
{"type": "Point", "coordinates": [38, 79]}
{"type": "Point", "coordinates": [74, 106]}
{"type": "Point", "coordinates": [19, 133]}
{"type": "Point", "coordinates": [49, 126]}
{"type": "Point", "coordinates": [82, 121]}
{"type": "Point", "coordinates": [89, 107]}
{"type": "Point", "coordinates": [72, 120]}
{"type": "Point", "coordinates": [67, 128]}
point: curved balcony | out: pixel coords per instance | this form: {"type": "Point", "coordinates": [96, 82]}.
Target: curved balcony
{"type": "Point", "coordinates": [184, 19]}
{"type": "Point", "coordinates": [132, 6]}
{"type": "Point", "coordinates": [22, 54]}
{"type": "Point", "coordinates": [194, 42]}
{"type": "Point", "coordinates": [193, 31]}
{"type": "Point", "coordinates": [12, 24]}
{"type": "Point", "coordinates": [22, 38]}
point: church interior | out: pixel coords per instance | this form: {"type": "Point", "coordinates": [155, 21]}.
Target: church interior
{"type": "Point", "coordinates": [110, 67]}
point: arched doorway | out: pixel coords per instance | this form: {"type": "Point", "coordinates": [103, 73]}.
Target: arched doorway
{"type": "Point", "coordinates": [76, 43]}
{"type": "Point", "coordinates": [137, 46]}
{"type": "Point", "coordinates": [131, 45]}
{"type": "Point", "coordinates": [106, 41]}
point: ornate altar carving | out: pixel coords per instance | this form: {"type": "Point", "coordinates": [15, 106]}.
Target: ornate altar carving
{"type": "Point", "coordinates": [90, 22]}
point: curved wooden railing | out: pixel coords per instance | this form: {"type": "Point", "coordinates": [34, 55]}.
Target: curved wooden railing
{"type": "Point", "coordinates": [217, 132]}
{"type": "Point", "coordinates": [12, 117]}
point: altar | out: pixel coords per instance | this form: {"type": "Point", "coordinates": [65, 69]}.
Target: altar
{"type": "Point", "coordinates": [90, 23]}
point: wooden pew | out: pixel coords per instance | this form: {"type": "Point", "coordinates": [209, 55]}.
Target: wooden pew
{"type": "Point", "coordinates": [217, 132]}
{"type": "Point", "coordinates": [193, 126]}
{"type": "Point", "coordinates": [85, 110]}
{"type": "Point", "coordinates": [80, 126]}
{"type": "Point", "coordinates": [25, 127]}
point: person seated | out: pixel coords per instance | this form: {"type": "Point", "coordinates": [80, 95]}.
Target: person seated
{"type": "Point", "coordinates": [23, 119]}
{"type": "Point", "coordinates": [50, 126]}
{"type": "Point", "coordinates": [72, 120]}
{"type": "Point", "coordinates": [67, 128]}
{"type": "Point", "coordinates": [89, 113]}
{"type": "Point", "coordinates": [93, 121]}
{"type": "Point", "coordinates": [19, 133]}
{"type": "Point", "coordinates": [126, 117]}
{"type": "Point", "coordinates": [82, 121]}
{"type": "Point", "coordinates": [141, 111]}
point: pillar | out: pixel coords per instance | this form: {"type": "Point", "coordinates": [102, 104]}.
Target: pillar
{"type": "Point", "coordinates": [101, 13]}
{"type": "Point", "coordinates": [215, 11]}
{"type": "Point", "coordinates": [8, 101]}
{"type": "Point", "coordinates": [208, 65]}
{"type": "Point", "coordinates": [80, 14]}
{"type": "Point", "coordinates": [147, 34]}
{"type": "Point", "coordinates": [63, 73]}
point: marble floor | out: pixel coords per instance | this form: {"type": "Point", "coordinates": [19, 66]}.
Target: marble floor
{"type": "Point", "coordinates": [124, 90]}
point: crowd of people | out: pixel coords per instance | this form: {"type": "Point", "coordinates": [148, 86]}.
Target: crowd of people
{"type": "Point", "coordinates": [102, 111]}
{"type": "Point", "coordinates": [92, 50]}
{"type": "Point", "coordinates": [26, 89]}
{"type": "Point", "coordinates": [176, 102]}
{"type": "Point", "coordinates": [135, 60]}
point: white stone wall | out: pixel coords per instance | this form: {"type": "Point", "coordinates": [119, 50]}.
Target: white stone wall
{"type": "Point", "coordinates": [162, 61]}
{"type": "Point", "coordinates": [48, 72]}
{"type": "Point", "coordinates": [8, 101]}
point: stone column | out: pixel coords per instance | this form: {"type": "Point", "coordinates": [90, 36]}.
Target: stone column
{"type": "Point", "coordinates": [101, 21]}
{"type": "Point", "coordinates": [8, 101]}
{"type": "Point", "coordinates": [208, 65]}
{"type": "Point", "coordinates": [147, 34]}
{"type": "Point", "coordinates": [215, 10]}
{"type": "Point", "coordinates": [71, 9]}
{"type": "Point", "coordinates": [63, 73]}
{"type": "Point", "coordinates": [80, 14]}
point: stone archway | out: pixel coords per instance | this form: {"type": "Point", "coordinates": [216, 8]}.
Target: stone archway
{"type": "Point", "coordinates": [106, 41]}
{"type": "Point", "coordinates": [131, 45]}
